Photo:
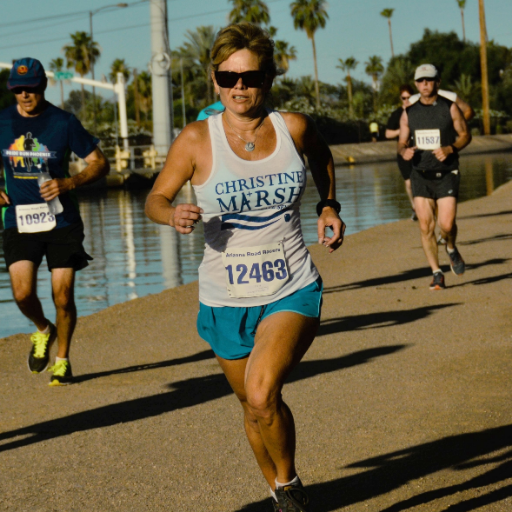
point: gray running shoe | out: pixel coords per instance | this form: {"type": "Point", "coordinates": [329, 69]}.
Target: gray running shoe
{"type": "Point", "coordinates": [456, 262]}
{"type": "Point", "coordinates": [292, 498]}
{"type": "Point", "coordinates": [437, 281]}
{"type": "Point", "coordinates": [40, 353]}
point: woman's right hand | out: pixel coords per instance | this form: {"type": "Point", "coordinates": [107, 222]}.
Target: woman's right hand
{"type": "Point", "coordinates": [185, 217]}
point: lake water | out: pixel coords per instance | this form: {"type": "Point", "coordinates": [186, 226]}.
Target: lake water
{"type": "Point", "coordinates": [134, 257]}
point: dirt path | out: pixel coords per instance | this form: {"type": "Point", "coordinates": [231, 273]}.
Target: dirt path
{"type": "Point", "coordinates": [402, 403]}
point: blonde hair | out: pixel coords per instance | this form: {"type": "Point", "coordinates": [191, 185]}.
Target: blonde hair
{"type": "Point", "coordinates": [240, 36]}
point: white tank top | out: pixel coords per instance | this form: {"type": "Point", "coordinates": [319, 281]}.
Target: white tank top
{"type": "Point", "coordinates": [255, 205]}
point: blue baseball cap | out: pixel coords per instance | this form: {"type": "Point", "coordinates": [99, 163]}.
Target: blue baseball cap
{"type": "Point", "coordinates": [26, 72]}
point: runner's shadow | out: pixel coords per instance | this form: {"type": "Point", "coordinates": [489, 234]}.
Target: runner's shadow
{"type": "Point", "coordinates": [404, 276]}
{"type": "Point", "coordinates": [495, 214]}
{"type": "Point", "coordinates": [182, 394]}
{"type": "Point", "coordinates": [484, 280]}
{"type": "Point", "coordinates": [201, 356]}
{"type": "Point", "coordinates": [496, 238]}
{"type": "Point", "coordinates": [378, 320]}
{"type": "Point", "coordinates": [383, 474]}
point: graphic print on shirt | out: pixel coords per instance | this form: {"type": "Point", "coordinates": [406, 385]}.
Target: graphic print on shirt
{"type": "Point", "coordinates": [277, 192]}
{"type": "Point", "coordinates": [28, 157]}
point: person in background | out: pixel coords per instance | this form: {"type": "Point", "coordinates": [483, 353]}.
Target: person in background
{"type": "Point", "coordinates": [392, 132]}
{"type": "Point", "coordinates": [439, 132]}
{"type": "Point", "coordinates": [36, 137]}
{"type": "Point", "coordinates": [374, 131]}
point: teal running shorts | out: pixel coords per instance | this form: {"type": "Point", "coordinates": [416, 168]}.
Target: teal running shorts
{"type": "Point", "coordinates": [230, 331]}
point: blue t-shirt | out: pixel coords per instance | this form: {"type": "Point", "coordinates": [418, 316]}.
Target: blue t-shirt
{"type": "Point", "coordinates": [31, 145]}
{"type": "Point", "coordinates": [215, 108]}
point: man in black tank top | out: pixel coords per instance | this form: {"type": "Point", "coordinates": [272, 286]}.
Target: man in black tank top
{"type": "Point", "coordinates": [432, 132]}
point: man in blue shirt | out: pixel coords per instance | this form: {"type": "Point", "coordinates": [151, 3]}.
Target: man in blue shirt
{"type": "Point", "coordinates": [37, 138]}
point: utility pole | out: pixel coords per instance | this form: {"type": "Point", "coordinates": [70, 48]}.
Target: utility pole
{"type": "Point", "coordinates": [160, 77]}
{"type": "Point", "coordinates": [483, 65]}
{"type": "Point", "coordinates": [136, 96]}
{"type": "Point", "coordinates": [183, 95]}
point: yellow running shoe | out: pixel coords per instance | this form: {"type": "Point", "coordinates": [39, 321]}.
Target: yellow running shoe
{"type": "Point", "coordinates": [62, 374]}
{"type": "Point", "coordinates": [40, 353]}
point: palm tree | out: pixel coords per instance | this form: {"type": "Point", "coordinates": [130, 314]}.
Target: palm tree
{"type": "Point", "coordinates": [347, 66]}
{"type": "Point", "coordinates": [253, 11]}
{"type": "Point", "coordinates": [144, 91]}
{"type": "Point", "coordinates": [308, 15]}
{"type": "Point", "coordinates": [57, 66]}
{"type": "Point", "coordinates": [462, 5]}
{"type": "Point", "coordinates": [196, 55]}
{"type": "Point", "coordinates": [387, 13]}
{"type": "Point", "coordinates": [119, 66]}
{"type": "Point", "coordinates": [283, 54]}
{"type": "Point", "coordinates": [80, 55]}
{"type": "Point", "coordinates": [464, 87]}
{"type": "Point", "coordinates": [374, 68]}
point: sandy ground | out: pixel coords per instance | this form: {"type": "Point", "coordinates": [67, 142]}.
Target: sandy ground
{"type": "Point", "coordinates": [402, 403]}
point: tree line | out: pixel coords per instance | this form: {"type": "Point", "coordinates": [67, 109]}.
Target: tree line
{"type": "Point", "coordinates": [342, 110]}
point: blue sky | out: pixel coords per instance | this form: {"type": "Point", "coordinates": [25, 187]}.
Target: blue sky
{"type": "Point", "coordinates": [354, 28]}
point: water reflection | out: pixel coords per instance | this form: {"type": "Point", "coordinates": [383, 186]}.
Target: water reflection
{"type": "Point", "coordinates": [134, 257]}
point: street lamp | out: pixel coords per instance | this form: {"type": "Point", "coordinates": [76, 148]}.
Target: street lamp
{"type": "Point", "coordinates": [91, 14]}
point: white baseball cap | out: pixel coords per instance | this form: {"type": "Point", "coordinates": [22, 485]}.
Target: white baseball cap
{"type": "Point", "coordinates": [425, 71]}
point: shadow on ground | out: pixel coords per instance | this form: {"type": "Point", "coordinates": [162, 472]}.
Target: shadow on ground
{"type": "Point", "coordinates": [408, 275]}
{"type": "Point", "coordinates": [183, 394]}
{"type": "Point", "coordinates": [383, 474]}
{"type": "Point", "coordinates": [495, 238]}
{"type": "Point", "coordinates": [494, 214]}
{"type": "Point", "coordinates": [378, 320]}
{"type": "Point", "coordinates": [200, 356]}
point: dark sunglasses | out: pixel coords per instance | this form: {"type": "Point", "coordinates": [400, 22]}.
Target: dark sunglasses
{"type": "Point", "coordinates": [429, 79]}
{"type": "Point", "coordinates": [404, 97]}
{"type": "Point", "coordinates": [228, 79]}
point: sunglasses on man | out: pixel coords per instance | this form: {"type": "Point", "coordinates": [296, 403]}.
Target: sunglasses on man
{"type": "Point", "coordinates": [228, 79]}
{"type": "Point", "coordinates": [404, 98]}
{"type": "Point", "coordinates": [429, 79]}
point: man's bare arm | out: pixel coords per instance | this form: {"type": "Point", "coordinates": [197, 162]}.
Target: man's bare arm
{"type": "Point", "coordinates": [97, 167]}
{"type": "Point", "coordinates": [403, 148]}
{"type": "Point", "coordinates": [466, 109]}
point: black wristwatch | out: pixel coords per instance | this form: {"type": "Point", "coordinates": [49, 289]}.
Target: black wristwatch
{"type": "Point", "coordinates": [328, 202]}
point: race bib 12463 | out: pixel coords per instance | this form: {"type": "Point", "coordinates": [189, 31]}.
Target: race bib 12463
{"type": "Point", "coordinates": [255, 271]}
{"type": "Point", "coordinates": [34, 218]}
{"type": "Point", "coordinates": [428, 139]}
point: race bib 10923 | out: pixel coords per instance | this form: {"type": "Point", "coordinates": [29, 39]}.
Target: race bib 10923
{"type": "Point", "coordinates": [428, 139]}
{"type": "Point", "coordinates": [34, 218]}
{"type": "Point", "coordinates": [255, 271]}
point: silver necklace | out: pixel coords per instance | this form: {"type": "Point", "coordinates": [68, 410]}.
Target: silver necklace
{"type": "Point", "coordinates": [249, 146]}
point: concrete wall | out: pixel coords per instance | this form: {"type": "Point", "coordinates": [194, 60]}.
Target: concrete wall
{"type": "Point", "coordinates": [353, 154]}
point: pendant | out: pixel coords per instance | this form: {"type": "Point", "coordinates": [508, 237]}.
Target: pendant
{"type": "Point", "coordinates": [249, 146]}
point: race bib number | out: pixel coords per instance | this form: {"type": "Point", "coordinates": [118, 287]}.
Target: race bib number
{"type": "Point", "coordinates": [428, 139]}
{"type": "Point", "coordinates": [255, 271]}
{"type": "Point", "coordinates": [34, 218]}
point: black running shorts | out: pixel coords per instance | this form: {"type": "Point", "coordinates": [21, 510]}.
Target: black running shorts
{"type": "Point", "coordinates": [62, 247]}
{"type": "Point", "coordinates": [405, 167]}
{"type": "Point", "coordinates": [435, 185]}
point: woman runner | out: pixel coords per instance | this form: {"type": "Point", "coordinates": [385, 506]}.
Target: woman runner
{"type": "Point", "coordinates": [259, 292]}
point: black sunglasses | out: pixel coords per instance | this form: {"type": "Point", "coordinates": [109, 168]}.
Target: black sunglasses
{"type": "Point", "coordinates": [404, 97]}
{"type": "Point", "coordinates": [228, 79]}
{"type": "Point", "coordinates": [429, 79]}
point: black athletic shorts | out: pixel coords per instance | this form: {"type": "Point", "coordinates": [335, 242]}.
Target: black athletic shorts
{"type": "Point", "coordinates": [405, 167]}
{"type": "Point", "coordinates": [435, 185]}
{"type": "Point", "coordinates": [62, 247]}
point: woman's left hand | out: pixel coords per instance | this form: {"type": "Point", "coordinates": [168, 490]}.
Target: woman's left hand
{"type": "Point", "coordinates": [330, 219]}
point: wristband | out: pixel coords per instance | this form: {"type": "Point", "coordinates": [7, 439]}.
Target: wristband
{"type": "Point", "coordinates": [328, 202]}
{"type": "Point", "coordinates": [455, 150]}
